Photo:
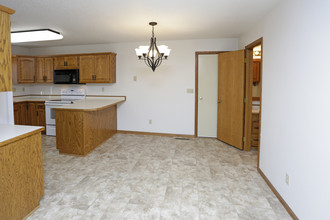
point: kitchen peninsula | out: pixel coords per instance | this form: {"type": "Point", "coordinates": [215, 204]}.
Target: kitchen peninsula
{"type": "Point", "coordinates": [22, 182]}
{"type": "Point", "coordinates": [86, 124]}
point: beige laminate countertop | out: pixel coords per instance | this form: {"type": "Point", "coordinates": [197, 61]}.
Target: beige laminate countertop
{"type": "Point", "coordinates": [92, 103]}
{"type": "Point", "coordinates": [35, 98]}
{"type": "Point", "coordinates": [10, 133]}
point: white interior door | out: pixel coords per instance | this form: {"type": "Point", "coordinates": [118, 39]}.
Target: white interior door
{"type": "Point", "coordinates": [207, 95]}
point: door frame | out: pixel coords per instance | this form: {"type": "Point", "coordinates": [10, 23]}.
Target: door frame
{"type": "Point", "coordinates": [197, 53]}
{"type": "Point", "coordinates": [250, 47]}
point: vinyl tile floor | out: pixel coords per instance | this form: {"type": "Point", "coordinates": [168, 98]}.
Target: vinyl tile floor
{"type": "Point", "coordinates": [153, 177]}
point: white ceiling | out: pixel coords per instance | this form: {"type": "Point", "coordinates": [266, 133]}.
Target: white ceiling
{"type": "Point", "coordinates": [110, 21]}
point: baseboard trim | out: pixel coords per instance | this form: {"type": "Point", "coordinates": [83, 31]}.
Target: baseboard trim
{"type": "Point", "coordinates": [286, 206]}
{"type": "Point", "coordinates": [156, 134]}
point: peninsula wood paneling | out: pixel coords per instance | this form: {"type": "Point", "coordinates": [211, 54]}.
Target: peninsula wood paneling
{"type": "Point", "coordinates": [80, 132]}
{"type": "Point", "coordinates": [5, 51]}
{"type": "Point", "coordinates": [21, 181]}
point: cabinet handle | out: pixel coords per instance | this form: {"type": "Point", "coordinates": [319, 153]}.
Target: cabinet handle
{"type": "Point", "coordinates": [37, 113]}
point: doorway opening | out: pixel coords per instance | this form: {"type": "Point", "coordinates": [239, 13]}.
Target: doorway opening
{"type": "Point", "coordinates": [206, 86]}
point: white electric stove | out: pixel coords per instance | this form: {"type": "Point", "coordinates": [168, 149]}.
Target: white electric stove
{"type": "Point", "coordinates": [68, 96]}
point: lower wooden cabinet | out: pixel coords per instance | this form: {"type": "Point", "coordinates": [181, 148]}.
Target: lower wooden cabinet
{"type": "Point", "coordinates": [29, 113]}
{"type": "Point", "coordinates": [255, 130]}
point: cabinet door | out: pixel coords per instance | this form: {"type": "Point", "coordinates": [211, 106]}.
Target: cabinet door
{"type": "Point", "coordinates": [112, 68]}
{"type": "Point", "coordinates": [31, 114]}
{"type": "Point", "coordinates": [40, 117]}
{"type": "Point", "coordinates": [102, 69]}
{"type": "Point", "coordinates": [26, 70]}
{"type": "Point", "coordinates": [71, 62]}
{"type": "Point", "coordinates": [23, 117]}
{"type": "Point", "coordinates": [48, 70]}
{"type": "Point", "coordinates": [59, 63]}
{"type": "Point", "coordinates": [17, 118]}
{"type": "Point", "coordinates": [87, 69]}
{"type": "Point", "coordinates": [40, 70]}
{"type": "Point", "coordinates": [256, 70]}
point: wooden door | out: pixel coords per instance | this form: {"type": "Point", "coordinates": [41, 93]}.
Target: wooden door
{"type": "Point", "coordinates": [48, 69]}
{"type": "Point", "coordinates": [26, 70]}
{"type": "Point", "coordinates": [40, 70]}
{"type": "Point", "coordinates": [102, 68]}
{"type": "Point", "coordinates": [231, 98]}
{"type": "Point", "coordinates": [87, 69]}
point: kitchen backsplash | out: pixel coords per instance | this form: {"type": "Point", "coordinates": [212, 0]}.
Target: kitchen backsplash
{"type": "Point", "coordinates": [51, 89]}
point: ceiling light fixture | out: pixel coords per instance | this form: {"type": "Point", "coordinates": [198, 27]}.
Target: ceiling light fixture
{"type": "Point", "coordinates": [35, 35]}
{"type": "Point", "coordinates": [153, 55]}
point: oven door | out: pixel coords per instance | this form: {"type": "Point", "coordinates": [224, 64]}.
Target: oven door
{"type": "Point", "coordinates": [50, 114]}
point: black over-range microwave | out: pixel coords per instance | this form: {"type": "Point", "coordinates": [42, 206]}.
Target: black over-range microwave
{"type": "Point", "coordinates": [66, 76]}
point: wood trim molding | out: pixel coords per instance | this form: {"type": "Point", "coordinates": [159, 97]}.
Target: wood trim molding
{"type": "Point", "coordinates": [156, 134]}
{"type": "Point", "coordinates": [7, 10]}
{"type": "Point", "coordinates": [249, 47]}
{"type": "Point", "coordinates": [286, 206]}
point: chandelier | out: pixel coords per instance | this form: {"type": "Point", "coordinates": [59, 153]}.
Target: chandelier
{"type": "Point", "coordinates": [153, 55]}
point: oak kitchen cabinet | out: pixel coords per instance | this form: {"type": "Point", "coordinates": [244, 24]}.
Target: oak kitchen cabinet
{"type": "Point", "coordinates": [256, 70]}
{"type": "Point", "coordinates": [45, 68]}
{"type": "Point", "coordinates": [97, 68]}
{"type": "Point", "coordinates": [30, 113]}
{"type": "Point", "coordinates": [24, 67]}
{"type": "Point", "coordinates": [255, 130]}
{"type": "Point", "coordinates": [66, 62]}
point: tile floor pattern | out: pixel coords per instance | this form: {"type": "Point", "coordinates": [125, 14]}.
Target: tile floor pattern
{"type": "Point", "coordinates": [152, 177]}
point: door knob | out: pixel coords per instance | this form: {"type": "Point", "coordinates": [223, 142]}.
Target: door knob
{"type": "Point", "coordinates": [219, 101]}
{"type": "Point", "coordinates": [201, 98]}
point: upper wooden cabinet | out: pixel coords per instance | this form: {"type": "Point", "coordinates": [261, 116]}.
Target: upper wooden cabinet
{"type": "Point", "coordinates": [45, 70]}
{"type": "Point", "coordinates": [93, 68]}
{"type": "Point", "coordinates": [256, 70]}
{"type": "Point", "coordinates": [66, 62]}
{"type": "Point", "coordinates": [26, 69]}
{"type": "Point", "coordinates": [97, 68]}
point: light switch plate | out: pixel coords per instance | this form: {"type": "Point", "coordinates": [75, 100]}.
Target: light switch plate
{"type": "Point", "coordinates": [190, 90]}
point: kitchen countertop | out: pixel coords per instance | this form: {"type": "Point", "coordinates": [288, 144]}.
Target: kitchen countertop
{"type": "Point", "coordinates": [35, 98]}
{"type": "Point", "coordinates": [92, 103]}
{"type": "Point", "coordinates": [9, 133]}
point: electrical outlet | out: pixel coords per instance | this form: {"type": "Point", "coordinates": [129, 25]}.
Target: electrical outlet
{"type": "Point", "coordinates": [102, 89]}
{"type": "Point", "coordinates": [287, 179]}
{"type": "Point", "coordinates": [23, 89]}
{"type": "Point", "coordinates": [134, 78]}
{"type": "Point", "coordinates": [14, 89]}
{"type": "Point", "coordinates": [150, 121]}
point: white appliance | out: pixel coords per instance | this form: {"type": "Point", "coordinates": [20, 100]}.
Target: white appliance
{"type": "Point", "coordinates": [6, 108]}
{"type": "Point", "coordinates": [68, 96]}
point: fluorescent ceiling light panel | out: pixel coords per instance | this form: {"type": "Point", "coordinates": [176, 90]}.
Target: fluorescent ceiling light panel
{"type": "Point", "coordinates": [35, 35]}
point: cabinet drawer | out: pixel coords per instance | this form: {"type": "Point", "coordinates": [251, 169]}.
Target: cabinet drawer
{"type": "Point", "coordinates": [254, 143]}
{"type": "Point", "coordinates": [255, 137]}
{"type": "Point", "coordinates": [40, 106]}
